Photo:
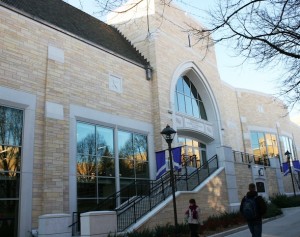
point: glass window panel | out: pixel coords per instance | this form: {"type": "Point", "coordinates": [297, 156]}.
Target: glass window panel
{"type": "Point", "coordinates": [126, 167]}
{"type": "Point", "coordinates": [181, 140]}
{"type": "Point", "coordinates": [268, 139]}
{"type": "Point", "coordinates": [9, 185]}
{"type": "Point", "coordinates": [10, 159]}
{"type": "Point", "coordinates": [202, 111]}
{"type": "Point", "coordinates": [9, 217]}
{"type": "Point", "coordinates": [254, 141]}
{"type": "Point", "coordinates": [181, 103]}
{"type": "Point", "coordinates": [105, 141]}
{"type": "Point", "coordinates": [140, 147]}
{"type": "Point", "coordinates": [86, 165]}
{"type": "Point", "coordinates": [196, 111]}
{"type": "Point", "coordinates": [142, 169]}
{"type": "Point", "coordinates": [125, 145]}
{"type": "Point", "coordinates": [11, 126]}
{"type": "Point", "coordinates": [194, 93]}
{"type": "Point", "coordinates": [106, 166]}
{"type": "Point", "coordinates": [188, 106]}
{"type": "Point", "coordinates": [86, 142]}
{"type": "Point", "coordinates": [86, 204]}
{"type": "Point", "coordinates": [86, 186]}
{"type": "Point", "coordinates": [186, 86]}
{"type": "Point", "coordinates": [106, 187]}
{"type": "Point", "coordinates": [179, 85]}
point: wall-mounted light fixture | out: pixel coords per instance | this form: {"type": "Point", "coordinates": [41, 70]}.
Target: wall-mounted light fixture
{"type": "Point", "coordinates": [148, 73]}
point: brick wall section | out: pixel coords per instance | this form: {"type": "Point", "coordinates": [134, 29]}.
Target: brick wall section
{"type": "Point", "coordinates": [212, 200]}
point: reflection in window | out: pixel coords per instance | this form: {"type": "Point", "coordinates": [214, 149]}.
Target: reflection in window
{"type": "Point", "coordinates": [95, 164]}
{"type": "Point", "coordinates": [188, 100]}
{"type": "Point", "coordinates": [133, 155]}
{"type": "Point", "coordinates": [194, 152]}
{"type": "Point", "coordinates": [287, 145]}
{"type": "Point", "coordinates": [264, 144]}
{"type": "Point", "coordinates": [11, 129]}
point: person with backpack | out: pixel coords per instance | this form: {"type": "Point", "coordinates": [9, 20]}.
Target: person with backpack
{"type": "Point", "coordinates": [253, 207]}
{"type": "Point", "coordinates": [192, 217]}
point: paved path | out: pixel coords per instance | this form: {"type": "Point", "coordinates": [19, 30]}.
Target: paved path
{"type": "Point", "coordinates": [286, 226]}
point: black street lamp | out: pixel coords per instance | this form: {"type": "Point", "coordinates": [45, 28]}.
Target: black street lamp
{"type": "Point", "coordinates": [288, 158]}
{"type": "Point", "coordinates": [168, 133]}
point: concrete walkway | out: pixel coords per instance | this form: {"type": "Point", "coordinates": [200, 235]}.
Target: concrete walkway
{"type": "Point", "coordinates": [288, 225]}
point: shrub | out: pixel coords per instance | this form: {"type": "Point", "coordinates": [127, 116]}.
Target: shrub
{"type": "Point", "coordinates": [283, 201]}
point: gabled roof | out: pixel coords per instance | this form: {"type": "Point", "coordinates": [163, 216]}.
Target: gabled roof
{"type": "Point", "coordinates": [71, 19]}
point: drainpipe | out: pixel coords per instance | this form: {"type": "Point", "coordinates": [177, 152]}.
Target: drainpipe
{"type": "Point", "coordinates": [241, 124]}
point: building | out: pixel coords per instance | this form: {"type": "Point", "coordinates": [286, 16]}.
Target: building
{"type": "Point", "coordinates": [83, 104]}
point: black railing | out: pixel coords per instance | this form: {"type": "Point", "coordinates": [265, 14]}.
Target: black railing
{"type": "Point", "coordinates": [161, 189]}
{"type": "Point", "coordinates": [148, 194]}
{"type": "Point", "coordinates": [242, 157]}
{"type": "Point", "coordinates": [124, 197]}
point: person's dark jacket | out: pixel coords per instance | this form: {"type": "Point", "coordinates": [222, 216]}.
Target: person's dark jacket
{"type": "Point", "coordinates": [260, 204]}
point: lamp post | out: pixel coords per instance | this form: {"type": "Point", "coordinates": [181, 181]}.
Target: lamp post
{"type": "Point", "coordinates": [288, 158]}
{"type": "Point", "coordinates": [168, 133]}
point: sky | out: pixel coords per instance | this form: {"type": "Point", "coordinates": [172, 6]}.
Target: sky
{"type": "Point", "coordinates": [231, 69]}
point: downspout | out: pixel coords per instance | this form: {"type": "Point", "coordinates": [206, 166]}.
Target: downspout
{"type": "Point", "coordinates": [241, 124]}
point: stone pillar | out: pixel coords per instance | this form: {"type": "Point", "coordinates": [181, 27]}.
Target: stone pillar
{"type": "Point", "coordinates": [225, 158]}
{"type": "Point", "coordinates": [98, 223]}
{"type": "Point", "coordinates": [55, 225]}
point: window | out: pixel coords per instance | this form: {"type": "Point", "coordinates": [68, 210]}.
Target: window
{"type": "Point", "coordinates": [96, 163]}
{"type": "Point", "coordinates": [194, 152]}
{"type": "Point", "coordinates": [133, 157]}
{"type": "Point", "coordinates": [264, 144]}
{"type": "Point", "coordinates": [188, 100]}
{"type": "Point", "coordinates": [287, 145]}
{"type": "Point", "coordinates": [11, 131]}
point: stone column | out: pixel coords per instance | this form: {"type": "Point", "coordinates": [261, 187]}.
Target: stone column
{"type": "Point", "coordinates": [225, 158]}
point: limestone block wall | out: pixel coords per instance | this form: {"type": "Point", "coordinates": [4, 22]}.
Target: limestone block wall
{"type": "Point", "coordinates": [243, 177]}
{"type": "Point", "coordinates": [271, 181]}
{"type": "Point", "coordinates": [212, 199]}
{"type": "Point", "coordinates": [62, 70]}
{"type": "Point", "coordinates": [288, 184]}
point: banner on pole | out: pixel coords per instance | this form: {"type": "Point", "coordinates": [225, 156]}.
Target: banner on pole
{"type": "Point", "coordinates": [285, 168]}
{"type": "Point", "coordinates": [161, 167]}
{"type": "Point", "coordinates": [176, 153]}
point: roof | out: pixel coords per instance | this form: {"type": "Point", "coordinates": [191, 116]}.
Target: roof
{"type": "Point", "coordinates": [79, 23]}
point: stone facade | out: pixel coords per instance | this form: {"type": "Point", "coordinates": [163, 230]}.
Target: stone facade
{"type": "Point", "coordinates": [59, 78]}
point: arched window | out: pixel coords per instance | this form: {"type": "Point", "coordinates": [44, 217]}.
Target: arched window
{"type": "Point", "coordinates": [188, 100]}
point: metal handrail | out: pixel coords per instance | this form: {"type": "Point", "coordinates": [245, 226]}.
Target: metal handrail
{"type": "Point", "coordinates": [130, 211]}
{"type": "Point", "coordinates": [247, 158]}
{"type": "Point", "coordinates": [129, 215]}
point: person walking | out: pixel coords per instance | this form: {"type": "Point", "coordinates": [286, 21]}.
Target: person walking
{"type": "Point", "coordinates": [192, 216]}
{"type": "Point", "coordinates": [253, 207]}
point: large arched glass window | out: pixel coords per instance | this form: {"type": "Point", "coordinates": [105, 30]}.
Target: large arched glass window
{"type": "Point", "coordinates": [188, 100]}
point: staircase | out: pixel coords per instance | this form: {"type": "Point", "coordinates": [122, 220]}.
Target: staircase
{"type": "Point", "coordinates": [148, 194]}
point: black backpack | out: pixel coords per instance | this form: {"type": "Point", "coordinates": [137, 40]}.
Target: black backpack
{"type": "Point", "coordinates": [249, 208]}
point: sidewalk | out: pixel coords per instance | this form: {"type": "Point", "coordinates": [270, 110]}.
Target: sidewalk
{"type": "Point", "coordinates": [287, 225]}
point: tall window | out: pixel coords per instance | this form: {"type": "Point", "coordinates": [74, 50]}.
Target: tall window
{"type": "Point", "coordinates": [194, 152]}
{"type": "Point", "coordinates": [95, 165]}
{"type": "Point", "coordinates": [96, 162]}
{"type": "Point", "coordinates": [188, 100]}
{"type": "Point", "coordinates": [264, 144]}
{"type": "Point", "coordinates": [11, 130]}
{"type": "Point", "coordinates": [133, 157]}
{"type": "Point", "coordinates": [287, 145]}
